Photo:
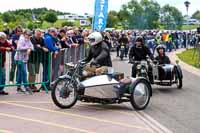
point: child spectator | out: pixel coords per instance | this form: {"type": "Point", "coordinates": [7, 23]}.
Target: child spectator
{"type": "Point", "coordinates": [24, 48]}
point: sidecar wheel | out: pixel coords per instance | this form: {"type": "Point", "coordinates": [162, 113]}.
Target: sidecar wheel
{"type": "Point", "coordinates": [64, 97]}
{"type": "Point", "coordinates": [179, 83]}
{"type": "Point", "coordinates": [140, 95]}
{"type": "Point", "coordinates": [179, 77]}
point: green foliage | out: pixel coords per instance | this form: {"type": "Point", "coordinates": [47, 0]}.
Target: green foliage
{"type": "Point", "coordinates": [67, 23]}
{"type": "Point", "coordinates": [12, 25]}
{"type": "Point", "coordinates": [32, 25]}
{"type": "Point", "coordinates": [171, 17]}
{"type": "Point", "coordinates": [196, 15]}
{"type": "Point", "coordinates": [190, 57]}
{"type": "Point", "coordinates": [8, 17]}
{"type": "Point", "coordinates": [45, 25]}
{"type": "Point", "coordinates": [23, 17]}
{"type": "Point", "coordinates": [50, 17]}
{"type": "Point", "coordinates": [143, 15]}
{"type": "Point", "coordinates": [189, 27]}
{"type": "Point", "coordinates": [113, 19]}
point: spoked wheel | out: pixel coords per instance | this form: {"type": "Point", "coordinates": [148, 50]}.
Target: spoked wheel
{"type": "Point", "coordinates": [64, 94]}
{"type": "Point", "coordinates": [140, 95]}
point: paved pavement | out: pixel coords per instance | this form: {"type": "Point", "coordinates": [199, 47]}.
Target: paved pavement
{"type": "Point", "coordinates": [178, 110]}
{"type": "Point", "coordinates": [169, 108]}
{"type": "Point", "coordinates": [22, 113]}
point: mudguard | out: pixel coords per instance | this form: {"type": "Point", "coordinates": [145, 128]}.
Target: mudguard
{"type": "Point", "coordinates": [65, 77]}
{"type": "Point", "coordinates": [59, 78]}
{"type": "Point", "coordinates": [136, 80]}
{"type": "Point", "coordinates": [179, 71]}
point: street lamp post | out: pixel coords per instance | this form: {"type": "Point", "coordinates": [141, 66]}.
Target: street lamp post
{"type": "Point", "coordinates": [187, 3]}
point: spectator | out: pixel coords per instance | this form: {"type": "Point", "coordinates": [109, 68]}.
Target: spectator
{"type": "Point", "coordinates": [62, 38]}
{"type": "Point", "coordinates": [15, 38]}
{"type": "Point", "coordinates": [51, 43]}
{"type": "Point", "coordinates": [80, 41]}
{"type": "Point", "coordinates": [4, 46]}
{"type": "Point", "coordinates": [24, 47]}
{"type": "Point", "coordinates": [36, 57]}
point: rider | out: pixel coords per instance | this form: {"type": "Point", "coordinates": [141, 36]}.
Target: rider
{"type": "Point", "coordinates": [162, 58]}
{"type": "Point", "coordinates": [99, 52]}
{"type": "Point", "coordinates": [139, 52]}
{"type": "Point", "coordinates": [123, 41]}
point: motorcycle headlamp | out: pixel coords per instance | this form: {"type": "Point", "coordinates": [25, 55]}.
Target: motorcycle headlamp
{"type": "Point", "coordinates": [139, 66]}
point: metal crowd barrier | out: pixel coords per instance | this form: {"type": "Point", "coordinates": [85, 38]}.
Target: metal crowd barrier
{"type": "Point", "coordinates": [65, 56]}
{"type": "Point", "coordinates": [37, 69]}
{"type": "Point", "coordinates": [42, 68]}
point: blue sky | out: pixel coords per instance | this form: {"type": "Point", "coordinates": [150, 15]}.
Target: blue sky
{"type": "Point", "coordinates": [83, 6]}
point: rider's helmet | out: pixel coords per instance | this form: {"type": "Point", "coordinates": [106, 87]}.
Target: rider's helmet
{"type": "Point", "coordinates": [161, 46]}
{"type": "Point", "coordinates": [95, 38]}
{"type": "Point", "coordinates": [139, 39]}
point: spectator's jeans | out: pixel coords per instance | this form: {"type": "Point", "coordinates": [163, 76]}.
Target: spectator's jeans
{"type": "Point", "coordinates": [176, 43]}
{"type": "Point", "coordinates": [2, 78]}
{"type": "Point", "coordinates": [13, 67]}
{"type": "Point", "coordinates": [22, 73]}
{"type": "Point", "coordinates": [169, 47]}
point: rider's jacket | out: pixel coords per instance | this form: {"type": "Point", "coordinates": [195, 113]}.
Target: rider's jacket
{"type": "Point", "coordinates": [123, 41]}
{"type": "Point", "coordinates": [139, 54]}
{"type": "Point", "coordinates": [101, 54]}
{"type": "Point", "coordinates": [163, 59]}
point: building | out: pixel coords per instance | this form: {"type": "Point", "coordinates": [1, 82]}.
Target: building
{"type": "Point", "coordinates": [84, 19]}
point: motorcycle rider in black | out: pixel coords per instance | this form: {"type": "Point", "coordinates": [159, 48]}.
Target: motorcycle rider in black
{"type": "Point", "coordinates": [123, 41]}
{"type": "Point", "coordinates": [139, 52]}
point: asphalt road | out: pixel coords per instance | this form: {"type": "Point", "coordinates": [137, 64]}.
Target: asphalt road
{"type": "Point", "coordinates": [178, 110]}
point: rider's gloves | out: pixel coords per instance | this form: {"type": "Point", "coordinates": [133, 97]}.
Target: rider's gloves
{"type": "Point", "coordinates": [93, 63]}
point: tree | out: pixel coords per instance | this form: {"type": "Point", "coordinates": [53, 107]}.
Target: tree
{"type": "Point", "coordinates": [171, 17]}
{"type": "Point", "coordinates": [113, 19]}
{"type": "Point", "coordinates": [7, 17]}
{"type": "Point", "coordinates": [150, 15]}
{"type": "Point", "coordinates": [50, 17]}
{"type": "Point", "coordinates": [196, 15]}
{"type": "Point", "coordinates": [143, 15]}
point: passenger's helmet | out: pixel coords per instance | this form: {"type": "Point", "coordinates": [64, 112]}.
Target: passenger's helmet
{"type": "Point", "coordinates": [95, 38]}
{"type": "Point", "coordinates": [161, 46]}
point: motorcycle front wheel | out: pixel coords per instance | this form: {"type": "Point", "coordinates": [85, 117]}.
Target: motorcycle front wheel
{"type": "Point", "coordinates": [64, 94]}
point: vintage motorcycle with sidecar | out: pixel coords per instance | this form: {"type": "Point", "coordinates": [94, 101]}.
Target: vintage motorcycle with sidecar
{"type": "Point", "coordinates": [103, 89]}
{"type": "Point", "coordinates": [163, 75]}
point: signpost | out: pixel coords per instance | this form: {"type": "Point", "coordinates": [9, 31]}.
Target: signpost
{"type": "Point", "coordinates": [100, 15]}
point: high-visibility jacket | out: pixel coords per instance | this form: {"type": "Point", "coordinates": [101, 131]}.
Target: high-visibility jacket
{"type": "Point", "coordinates": [158, 39]}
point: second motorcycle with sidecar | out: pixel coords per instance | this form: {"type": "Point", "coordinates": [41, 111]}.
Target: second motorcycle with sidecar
{"type": "Point", "coordinates": [161, 74]}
